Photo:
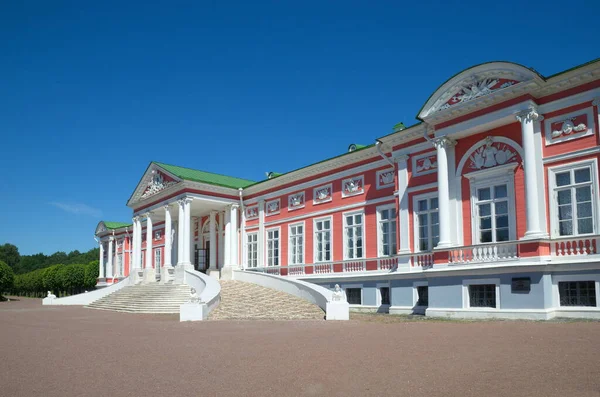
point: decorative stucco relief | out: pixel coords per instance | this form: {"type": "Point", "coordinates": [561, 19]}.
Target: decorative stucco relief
{"type": "Point", "coordinates": [296, 201]}
{"type": "Point", "coordinates": [252, 212]}
{"type": "Point", "coordinates": [322, 194]}
{"type": "Point", "coordinates": [491, 154]}
{"type": "Point", "coordinates": [158, 183]}
{"type": "Point", "coordinates": [353, 186]}
{"type": "Point", "coordinates": [273, 207]}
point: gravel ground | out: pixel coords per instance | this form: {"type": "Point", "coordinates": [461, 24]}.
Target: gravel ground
{"type": "Point", "coordinates": [73, 351]}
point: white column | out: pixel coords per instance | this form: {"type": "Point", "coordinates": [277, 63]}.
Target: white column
{"type": "Point", "coordinates": [227, 258]}
{"type": "Point", "coordinates": [441, 144]}
{"type": "Point", "coordinates": [180, 233]}
{"type": "Point", "coordinates": [109, 267]}
{"type": "Point", "coordinates": [134, 246]}
{"type": "Point", "coordinates": [403, 214]}
{"type": "Point", "coordinates": [243, 239]}
{"type": "Point", "coordinates": [187, 238]}
{"type": "Point", "coordinates": [261, 234]}
{"type": "Point", "coordinates": [213, 240]}
{"type": "Point", "coordinates": [168, 237]}
{"type": "Point", "coordinates": [233, 228]}
{"type": "Point", "coordinates": [221, 256]}
{"type": "Point", "coordinates": [149, 256]}
{"type": "Point", "coordinates": [101, 266]}
{"type": "Point", "coordinates": [527, 118]}
{"type": "Point", "coordinates": [138, 260]}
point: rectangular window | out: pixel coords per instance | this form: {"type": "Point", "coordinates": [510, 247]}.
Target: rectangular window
{"type": "Point", "coordinates": [252, 249]}
{"type": "Point", "coordinates": [323, 240]}
{"type": "Point", "coordinates": [353, 231]}
{"type": "Point", "coordinates": [120, 264]}
{"type": "Point", "coordinates": [422, 295]}
{"type": "Point", "coordinates": [492, 214]}
{"type": "Point", "coordinates": [296, 241]}
{"type": "Point", "coordinates": [482, 295]}
{"type": "Point", "coordinates": [577, 293]}
{"type": "Point", "coordinates": [273, 247]}
{"type": "Point", "coordinates": [354, 296]}
{"type": "Point", "coordinates": [574, 201]}
{"type": "Point", "coordinates": [157, 258]}
{"type": "Point", "coordinates": [387, 231]}
{"type": "Point", "coordinates": [428, 223]}
{"type": "Point", "coordinates": [385, 295]}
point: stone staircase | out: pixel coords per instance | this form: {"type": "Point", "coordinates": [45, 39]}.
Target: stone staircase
{"type": "Point", "coordinates": [247, 301]}
{"type": "Point", "coordinates": [148, 298]}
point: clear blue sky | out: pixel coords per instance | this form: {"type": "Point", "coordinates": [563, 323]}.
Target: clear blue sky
{"type": "Point", "coordinates": [94, 91]}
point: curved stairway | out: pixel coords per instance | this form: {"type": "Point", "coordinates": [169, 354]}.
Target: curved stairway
{"type": "Point", "coordinates": [148, 298]}
{"type": "Point", "coordinates": [247, 301]}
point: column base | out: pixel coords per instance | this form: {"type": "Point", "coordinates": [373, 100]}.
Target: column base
{"type": "Point", "coordinates": [534, 235]}
{"type": "Point", "coordinates": [180, 272]}
{"type": "Point", "coordinates": [149, 276]}
{"type": "Point", "coordinates": [167, 274]}
{"type": "Point", "coordinates": [136, 276]}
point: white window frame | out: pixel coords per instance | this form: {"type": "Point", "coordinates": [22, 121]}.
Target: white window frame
{"type": "Point", "coordinates": [465, 292]}
{"type": "Point", "coordinates": [249, 251]}
{"type": "Point", "coordinates": [574, 277]}
{"type": "Point", "coordinates": [290, 239]}
{"type": "Point", "coordinates": [415, 214]}
{"type": "Point", "coordinates": [504, 174]}
{"type": "Point", "coordinates": [380, 221]}
{"type": "Point", "coordinates": [157, 258]}
{"type": "Point", "coordinates": [552, 171]}
{"type": "Point", "coordinates": [345, 237]}
{"type": "Point", "coordinates": [315, 242]}
{"type": "Point", "coordinates": [278, 229]}
{"type": "Point", "coordinates": [378, 297]}
{"type": "Point", "coordinates": [416, 293]}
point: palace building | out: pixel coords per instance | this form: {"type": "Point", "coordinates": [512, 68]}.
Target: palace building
{"type": "Point", "coordinates": [487, 207]}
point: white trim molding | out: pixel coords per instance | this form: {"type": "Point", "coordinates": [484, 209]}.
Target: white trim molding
{"type": "Point", "coordinates": [465, 292]}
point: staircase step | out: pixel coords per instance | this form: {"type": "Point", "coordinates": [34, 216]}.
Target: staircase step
{"type": "Point", "coordinates": [145, 298]}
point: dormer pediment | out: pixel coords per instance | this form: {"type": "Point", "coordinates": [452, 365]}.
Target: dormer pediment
{"type": "Point", "coordinates": [101, 228]}
{"type": "Point", "coordinates": [479, 87]}
{"type": "Point", "coordinates": [155, 180]}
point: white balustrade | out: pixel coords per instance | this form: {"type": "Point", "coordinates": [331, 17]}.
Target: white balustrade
{"type": "Point", "coordinates": [273, 270]}
{"type": "Point", "coordinates": [387, 263]}
{"type": "Point", "coordinates": [482, 253]}
{"type": "Point", "coordinates": [575, 246]}
{"type": "Point", "coordinates": [354, 266]}
{"type": "Point", "coordinates": [323, 268]}
{"type": "Point", "coordinates": [295, 270]}
{"type": "Point", "coordinates": [423, 260]}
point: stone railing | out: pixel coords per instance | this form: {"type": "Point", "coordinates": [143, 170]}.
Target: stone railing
{"type": "Point", "coordinates": [87, 297]}
{"type": "Point", "coordinates": [208, 291]}
{"type": "Point", "coordinates": [320, 296]}
{"type": "Point", "coordinates": [575, 246]}
{"type": "Point", "coordinates": [479, 253]}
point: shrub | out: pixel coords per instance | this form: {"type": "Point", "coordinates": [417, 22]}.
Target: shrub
{"type": "Point", "coordinates": [6, 278]}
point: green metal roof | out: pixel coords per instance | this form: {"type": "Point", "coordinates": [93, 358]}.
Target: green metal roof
{"type": "Point", "coordinates": [115, 225]}
{"type": "Point", "coordinates": [205, 177]}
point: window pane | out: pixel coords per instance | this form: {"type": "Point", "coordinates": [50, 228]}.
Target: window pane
{"type": "Point", "coordinates": [583, 194]}
{"type": "Point", "coordinates": [502, 234]}
{"type": "Point", "coordinates": [585, 225]}
{"type": "Point", "coordinates": [564, 197]}
{"type": "Point", "coordinates": [565, 212]}
{"type": "Point", "coordinates": [565, 228]}
{"type": "Point", "coordinates": [434, 203]}
{"type": "Point", "coordinates": [584, 210]}
{"type": "Point", "coordinates": [500, 191]}
{"type": "Point", "coordinates": [422, 205]}
{"type": "Point", "coordinates": [485, 223]}
{"type": "Point", "coordinates": [501, 208]}
{"type": "Point", "coordinates": [563, 178]}
{"type": "Point", "coordinates": [349, 220]}
{"type": "Point", "coordinates": [485, 210]}
{"type": "Point", "coordinates": [502, 221]}
{"type": "Point", "coordinates": [483, 194]}
{"type": "Point", "coordinates": [582, 175]}
{"type": "Point", "coordinates": [423, 232]}
{"type": "Point", "coordinates": [486, 237]}
{"type": "Point", "coordinates": [435, 218]}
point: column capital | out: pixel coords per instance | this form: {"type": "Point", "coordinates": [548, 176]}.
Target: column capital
{"type": "Point", "coordinates": [167, 207]}
{"type": "Point", "coordinates": [111, 238]}
{"type": "Point", "coordinates": [184, 200]}
{"type": "Point", "coordinates": [148, 214]}
{"type": "Point", "coordinates": [596, 101]}
{"type": "Point", "coordinates": [443, 142]}
{"type": "Point", "coordinates": [214, 212]}
{"type": "Point", "coordinates": [136, 218]}
{"type": "Point", "coordinates": [235, 205]}
{"type": "Point", "coordinates": [401, 158]}
{"type": "Point", "coordinates": [529, 115]}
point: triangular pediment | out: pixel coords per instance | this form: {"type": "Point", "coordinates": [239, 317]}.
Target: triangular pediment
{"type": "Point", "coordinates": [154, 181]}
{"type": "Point", "coordinates": [478, 87]}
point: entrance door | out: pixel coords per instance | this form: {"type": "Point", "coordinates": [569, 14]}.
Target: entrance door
{"type": "Point", "coordinates": [201, 259]}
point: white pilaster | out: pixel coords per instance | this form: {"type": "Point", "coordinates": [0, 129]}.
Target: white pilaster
{"type": "Point", "coordinates": [187, 230]}
{"type": "Point", "coordinates": [168, 237]}
{"type": "Point", "coordinates": [442, 144]}
{"type": "Point", "coordinates": [227, 256]}
{"type": "Point", "coordinates": [149, 271]}
{"type": "Point", "coordinates": [213, 240]}
{"type": "Point", "coordinates": [221, 256]}
{"type": "Point", "coordinates": [109, 266]}
{"type": "Point", "coordinates": [101, 265]}
{"type": "Point", "coordinates": [133, 247]}
{"type": "Point", "coordinates": [261, 234]}
{"type": "Point", "coordinates": [403, 214]}
{"type": "Point", "coordinates": [243, 239]}
{"type": "Point", "coordinates": [180, 233]}
{"type": "Point", "coordinates": [527, 119]}
{"type": "Point", "coordinates": [233, 232]}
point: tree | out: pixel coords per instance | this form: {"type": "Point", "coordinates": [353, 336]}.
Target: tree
{"type": "Point", "coordinates": [9, 254]}
{"type": "Point", "coordinates": [91, 275]}
{"type": "Point", "coordinates": [6, 278]}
